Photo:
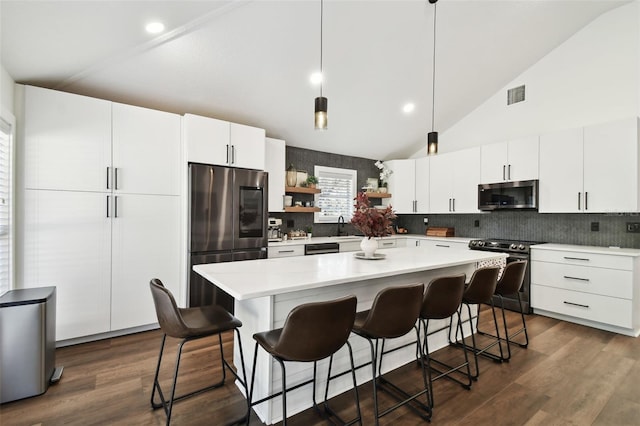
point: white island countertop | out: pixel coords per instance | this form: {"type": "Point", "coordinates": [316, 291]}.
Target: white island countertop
{"type": "Point", "coordinates": [267, 277]}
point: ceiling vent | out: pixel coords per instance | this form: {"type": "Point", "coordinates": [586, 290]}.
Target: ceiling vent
{"type": "Point", "coordinates": [515, 95]}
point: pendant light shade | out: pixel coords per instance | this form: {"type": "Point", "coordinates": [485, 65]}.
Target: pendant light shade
{"type": "Point", "coordinates": [432, 137]}
{"type": "Point", "coordinates": [321, 113]}
{"type": "Point", "coordinates": [432, 143]}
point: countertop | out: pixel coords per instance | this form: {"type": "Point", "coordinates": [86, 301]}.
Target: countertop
{"type": "Point", "coordinates": [320, 240]}
{"type": "Point", "coordinates": [267, 277]}
{"type": "Point", "coordinates": [588, 249]}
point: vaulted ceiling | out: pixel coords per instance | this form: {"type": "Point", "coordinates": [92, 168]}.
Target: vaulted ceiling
{"type": "Point", "coordinates": [250, 61]}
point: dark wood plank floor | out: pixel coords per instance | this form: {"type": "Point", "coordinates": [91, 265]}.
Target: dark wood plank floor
{"type": "Point", "coordinates": [569, 375]}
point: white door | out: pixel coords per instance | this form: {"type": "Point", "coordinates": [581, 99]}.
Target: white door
{"type": "Point", "coordinates": [146, 245]}
{"type": "Point", "coordinates": [523, 159]}
{"type": "Point", "coordinates": [247, 147]}
{"type": "Point", "coordinates": [275, 151]}
{"type": "Point", "coordinates": [206, 140]}
{"type": "Point", "coordinates": [493, 162]}
{"type": "Point", "coordinates": [146, 150]}
{"type": "Point", "coordinates": [401, 185]}
{"type": "Point", "coordinates": [67, 244]}
{"type": "Point", "coordinates": [67, 141]}
{"type": "Point", "coordinates": [465, 165]}
{"type": "Point", "coordinates": [561, 166]}
{"type": "Point", "coordinates": [611, 167]}
{"type": "Point", "coordinates": [440, 183]}
{"type": "Point", "coordinates": [422, 185]}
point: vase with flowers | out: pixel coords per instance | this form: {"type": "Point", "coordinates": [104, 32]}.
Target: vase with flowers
{"type": "Point", "coordinates": [372, 222]}
{"type": "Point", "coordinates": [385, 172]}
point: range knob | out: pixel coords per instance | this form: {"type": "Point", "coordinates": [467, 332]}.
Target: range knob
{"type": "Point", "coordinates": [521, 246]}
{"type": "Point", "coordinates": [473, 243]}
{"type": "Point", "coordinates": [480, 243]}
{"type": "Point", "coordinates": [513, 246]}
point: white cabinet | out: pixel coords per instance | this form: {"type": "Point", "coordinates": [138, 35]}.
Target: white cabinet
{"type": "Point", "coordinates": [286, 251]}
{"type": "Point", "coordinates": [212, 141]}
{"type": "Point", "coordinates": [514, 160]}
{"type": "Point", "coordinates": [350, 246]}
{"type": "Point", "coordinates": [592, 169]}
{"type": "Point", "coordinates": [587, 286]}
{"type": "Point", "coordinates": [454, 179]}
{"type": "Point", "coordinates": [409, 185]}
{"type": "Point", "coordinates": [275, 152]}
{"type": "Point", "coordinates": [444, 244]}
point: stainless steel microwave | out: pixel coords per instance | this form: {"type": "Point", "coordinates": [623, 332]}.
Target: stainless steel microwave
{"type": "Point", "coordinates": [508, 195]}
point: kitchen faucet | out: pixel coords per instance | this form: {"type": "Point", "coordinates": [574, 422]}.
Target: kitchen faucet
{"type": "Point", "coordinates": [340, 225]}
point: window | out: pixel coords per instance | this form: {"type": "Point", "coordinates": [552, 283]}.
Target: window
{"type": "Point", "coordinates": [6, 217]}
{"type": "Point", "coordinates": [338, 191]}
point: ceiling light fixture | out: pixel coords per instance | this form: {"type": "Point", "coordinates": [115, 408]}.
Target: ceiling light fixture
{"type": "Point", "coordinates": [316, 78]}
{"type": "Point", "coordinates": [432, 136]}
{"type": "Point", "coordinates": [321, 101]}
{"type": "Point", "coordinates": [154, 27]}
{"type": "Point", "coordinates": [408, 108]}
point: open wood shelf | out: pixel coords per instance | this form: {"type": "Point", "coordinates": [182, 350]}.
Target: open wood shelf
{"type": "Point", "coordinates": [301, 190]}
{"type": "Point", "coordinates": [378, 194]}
{"type": "Point", "coordinates": [298, 209]}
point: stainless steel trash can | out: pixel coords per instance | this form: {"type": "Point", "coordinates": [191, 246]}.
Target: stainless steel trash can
{"type": "Point", "coordinates": [27, 342]}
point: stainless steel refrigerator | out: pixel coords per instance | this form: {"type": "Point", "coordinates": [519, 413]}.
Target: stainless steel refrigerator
{"type": "Point", "coordinates": [228, 222]}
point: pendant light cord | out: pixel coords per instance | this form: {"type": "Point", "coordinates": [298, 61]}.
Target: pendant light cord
{"type": "Point", "coordinates": [433, 75]}
{"type": "Point", "coordinates": [321, 72]}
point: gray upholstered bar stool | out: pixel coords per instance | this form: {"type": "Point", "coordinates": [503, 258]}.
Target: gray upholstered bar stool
{"type": "Point", "coordinates": [311, 332]}
{"type": "Point", "coordinates": [510, 284]}
{"type": "Point", "coordinates": [190, 324]}
{"type": "Point", "coordinates": [393, 314]}
{"type": "Point", "coordinates": [479, 291]}
{"type": "Point", "coordinates": [442, 300]}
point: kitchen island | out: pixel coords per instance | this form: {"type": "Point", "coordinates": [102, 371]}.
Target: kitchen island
{"type": "Point", "coordinates": [266, 290]}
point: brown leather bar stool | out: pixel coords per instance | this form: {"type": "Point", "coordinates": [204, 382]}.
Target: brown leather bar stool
{"type": "Point", "coordinates": [479, 291]}
{"type": "Point", "coordinates": [311, 332]}
{"type": "Point", "coordinates": [393, 314]}
{"type": "Point", "coordinates": [190, 324]}
{"type": "Point", "coordinates": [509, 284]}
{"type": "Point", "coordinates": [442, 300]}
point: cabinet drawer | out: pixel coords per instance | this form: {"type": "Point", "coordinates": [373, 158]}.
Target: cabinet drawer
{"type": "Point", "coordinates": [608, 282]}
{"type": "Point", "coordinates": [604, 309]}
{"type": "Point", "coordinates": [387, 243]}
{"type": "Point", "coordinates": [286, 251]}
{"type": "Point", "coordinates": [583, 259]}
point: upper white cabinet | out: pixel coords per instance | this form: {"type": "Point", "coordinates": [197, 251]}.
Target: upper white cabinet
{"type": "Point", "coordinates": [146, 149]}
{"type": "Point", "coordinates": [275, 166]}
{"type": "Point", "coordinates": [409, 185]}
{"type": "Point", "coordinates": [592, 169]}
{"type": "Point", "coordinates": [69, 141]}
{"type": "Point", "coordinates": [454, 179]}
{"type": "Point", "coordinates": [514, 160]}
{"type": "Point", "coordinates": [212, 141]}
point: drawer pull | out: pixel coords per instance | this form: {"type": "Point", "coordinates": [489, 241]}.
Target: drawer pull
{"type": "Point", "coordinates": [575, 304]}
{"type": "Point", "coordinates": [576, 278]}
{"type": "Point", "coordinates": [285, 251]}
{"type": "Point", "coordinates": [387, 244]}
{"type": "Point", "coordinates": [442, 245]}
{"type": "Point", "coordinates": [577, 258]}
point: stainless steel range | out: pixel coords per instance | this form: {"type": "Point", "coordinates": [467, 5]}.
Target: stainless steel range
{"type": "Point", "coordinates": [517, 250]}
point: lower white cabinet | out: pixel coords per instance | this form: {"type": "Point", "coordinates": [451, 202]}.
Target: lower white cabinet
{"type": "Point", "coordinates": [286, 251]}
{"type": "Point", "coordinates": [100, 251]}
{"type": "Point", "coordinates": [587, 285]}
{"type": "Point", "coordinates": [350, 246]}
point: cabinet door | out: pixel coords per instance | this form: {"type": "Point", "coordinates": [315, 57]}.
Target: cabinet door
{"type": "Point", "coordinates": [67, 141]}
{"type": "Point", "coordinates": [207, 140]}
{"type": "Point", "coordinates": [465, 166]}
{"type": "Point", "coordinates": [493, 163]}
{"type": "Point", "coordinates": [561, 165]}
{"type": "Point", "coordinates": [523, 161]}
{"type": "Point", "coordinates": [146, 245]}
{"type": "Point", "coordinates": [611, 167]}
{"type": "Point", "coordinates": [422, 184]}
{"type": "Point", "coordinates": [67, 244]}
{"type": "Point", "coordinates": [401, 185]}
{"type": "Point", "coordinates": [275, 152]}
{"type": "Point", "coordinates": [146, 150]}
{"type": "Point", "coordinates": [247, 147]}
{"type": "Point", "coordinates": [440, 184]}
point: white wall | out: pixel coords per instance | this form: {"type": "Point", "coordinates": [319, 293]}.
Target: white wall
{"type": "Point", "coordinates": [6, 90]}
{"type": "Point", "coordinates": [593, 77]}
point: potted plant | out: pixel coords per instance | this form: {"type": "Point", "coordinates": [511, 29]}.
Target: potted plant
{"type": "Point", "coordinates": [372, 222]}
{"type": "Point", "coordinates": [312, 181]}
{"type": "Point", "coordinates": [309, 230]}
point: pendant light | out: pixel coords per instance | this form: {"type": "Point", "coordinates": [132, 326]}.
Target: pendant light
{"type": "Point", "coordinates": [432, 136]}
{"type": "Point", "coordinates": [321, 102]}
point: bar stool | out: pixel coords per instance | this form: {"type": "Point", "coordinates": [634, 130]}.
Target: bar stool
{"type": "Point", "coordinates": [311, 332]}
{"type": "Point", "coordinates": [509, 284]}
{"type": "Point", "coordinates": [190, 324]}
{"type": "Point", "coordinates": [480, 290]}
{"type": "Point", "coordinates": [393, 314]}
{"type": "Point", "coordinates": [442, 300]}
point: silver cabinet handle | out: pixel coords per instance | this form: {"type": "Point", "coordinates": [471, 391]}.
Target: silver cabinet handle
{"type": "Point", "coordinates": [449, 204]}
{"type": "Point", "coordinates": [108, 186]}
{"type": "Point", "coordinates": [115, 206]}
{"type": "Point", "coordinates": [443, 245]}
{"type": "Point", "coordinates": [576, 278]}
{"type": "Point", "coordinates": [504, 172]}
{"type": "Point", "coordinates": [233, 154]}
{"type": "Point", "coordinates": [285, 251]}
{"type": "Point", "coordinates": [108, 196]}
{"type": "Point", "coordinates": [387, 244]}
{"type": "Point", "coordinates": [586, 200]}
{"type": "Point", "coordinates": [575, 304]}
{"type": "Point", "coordinates": [577, 258]}
{"type": "Point", "coordinates": [509, 172]}
{"type": "Point", "coordinates": [579, 201]}
{"type": "Point", "coordinates": [115, 175]}
{"type": "Point", "coordinates": [227, 154]}
{"type": "Point", "coordinates": [453, 204]}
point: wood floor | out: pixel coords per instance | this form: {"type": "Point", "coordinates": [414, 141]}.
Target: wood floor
{"type": "Point", "coordinates": [569, 375]}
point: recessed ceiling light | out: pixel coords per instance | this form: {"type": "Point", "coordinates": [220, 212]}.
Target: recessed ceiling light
{"type": "Point", "coordinates": [408, 108]}
{"type": "Point", "coordinates": [316, 78]}
{"type": "Point", "coordinates": [155, 27]}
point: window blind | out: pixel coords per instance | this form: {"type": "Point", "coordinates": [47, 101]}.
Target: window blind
{"type": "Point", "coordinates": [5, 206]}
{"type": "Point", "coordinates": [338, 188]}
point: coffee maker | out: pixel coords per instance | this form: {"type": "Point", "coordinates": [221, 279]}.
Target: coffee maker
{"type": "Point", "coordinates": [274, 231]}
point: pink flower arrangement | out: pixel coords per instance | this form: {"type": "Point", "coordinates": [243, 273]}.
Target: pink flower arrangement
{"type": "Point", "coordinates": [372, 222]}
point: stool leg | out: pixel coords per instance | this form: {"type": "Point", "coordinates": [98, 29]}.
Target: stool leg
{"type": "Point", "coordinates": [244, 374]}
{"type": "Point", "coordinates": [506, 329]}
{"type": "Point", "coordinates": [524, 324]}
{"type": "Point", "coordinates": [253, 381]}
{"type": "Point", "coordinates": [355, 384]}
{"type": "Point", "coordinates": [156, 384]}
{"type": "Point", "coordinates": [374, 363]}
{"type": "Point", "coordinates": [284, 391]}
